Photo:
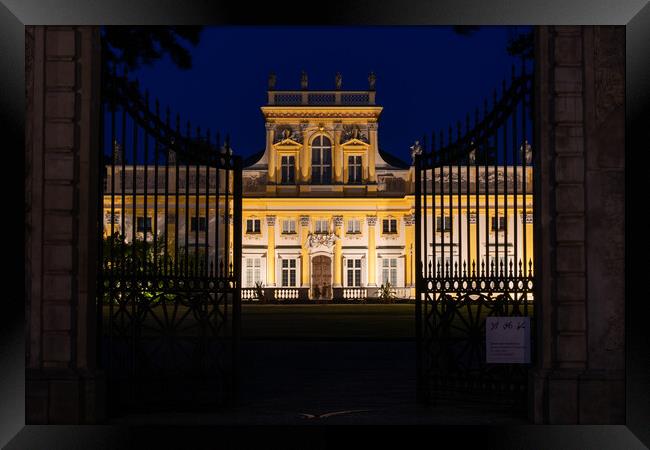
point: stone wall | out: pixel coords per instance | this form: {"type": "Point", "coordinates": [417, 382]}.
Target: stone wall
{"type": "Point", "coordinates": [62, 89]}
{"type": "Point", "coordinates": [580, 232]}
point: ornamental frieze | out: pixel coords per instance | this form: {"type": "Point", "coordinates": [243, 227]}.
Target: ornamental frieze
{"type": "Point", "coordinates": [372, 220]}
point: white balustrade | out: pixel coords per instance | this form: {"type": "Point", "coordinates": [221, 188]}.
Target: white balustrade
{"type": "Point", "coordinates": [286, 293]}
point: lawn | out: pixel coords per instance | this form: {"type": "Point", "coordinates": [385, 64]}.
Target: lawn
{"type": "Point", "coordinates": [395, 321]}
{"type": "Point", "coordinates": [316, 321]}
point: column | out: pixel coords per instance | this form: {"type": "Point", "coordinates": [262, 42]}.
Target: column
{"type": "Point", "coordinates": [305, 157]}
{"type": "Point", "coordinates": [338, 154]}
{"type": "Point", "coordinates": [338, 251]}
{"type": "Point", "coordinates": [372, 251]}
{"type": "Point", "coordinates": [409, 234]}
{"type": "Point", "coordinates": [304, 251]}
{"type": "Point", "coordinates": [473, 242]}
{"type": "Point", "coordinates": [270, 152]}
{"type": "Point", "coordinates": [372, 150]}
{"type": "Point", "coordinates": [270, 251]}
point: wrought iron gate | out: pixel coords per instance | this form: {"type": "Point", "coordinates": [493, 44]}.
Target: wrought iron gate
{"type": "Point", "coordinates": [474, 219]}
{"type": "Point", "coordinates": [169, 297]}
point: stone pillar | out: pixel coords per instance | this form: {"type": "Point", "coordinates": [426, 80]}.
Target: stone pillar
{"type": "Point", "coordinates": [270, 251]}
{"type": "Point", "coordinates": [579, 229]}
{"type": "Point", "coordinates": [338, 154]}
{"type": "Point", "coordinates": [409, 234]}
{"type": "Point", "coordinates": [372, 251]}
{"type": "Point", "coordinates": [63, 383]}
{"type": "Point", "coordinates": [304, 252]}
{"type": "Point", "coordinates": [338, 251]}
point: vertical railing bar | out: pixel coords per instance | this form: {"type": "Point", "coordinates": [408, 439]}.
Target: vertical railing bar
{"type": "Point", "coordinates": [419, 278]}
{"type": "Point", "coordinates": [434, 213]}
{"type": "Point", "coordinates": [487, 193]}
{"type": "Point", "coordinates": [197, 213]}
{"type": "Point", "coordinates": [237, 255]}
{"type": "Point", "coordinates": [155, 205]}
{"type": "Point", "coordinates": [496, 188]}
{"type": "Point", "coordinates": [515, 190]}
{"type": "Point", "coordinates": [426, 166]}
{"type": "Point", "coordinates": [216, 207]}
{"type": "Point", "coordinates": [442, 152]}
{"type": "Point", "coordinates": [468, 136]}
{"type": "Point", "coordinates": [459, 149]}
{"type": "Point", "coordinates": [167, 154]}
{"type": "Point", "coordinates": [505, 187]}
{"type": "Point", "coordinates": [207, 156]}
{"type": "Point", "coordinates": [226, 243]}
{"type": "Point", "coordinates": [177, 142]}
{"type": "Point", "coordinates": [477, 221]}
{"type": "Point", "coordinates": [524, 176]}
{"type": "Point", "coordinates": [134, 258]}
{"type": "Point", "coordinates": [449, 185]}
{"type": "Point", "coordinates": [145, 193]}
{"type": "Point", "coordinates": [187, 197]}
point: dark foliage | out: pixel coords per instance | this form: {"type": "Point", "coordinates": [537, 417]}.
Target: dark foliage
{"type": "Point", "coordinates": [132, 47]}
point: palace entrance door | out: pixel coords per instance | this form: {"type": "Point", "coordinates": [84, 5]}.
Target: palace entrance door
{"type": "Point", "coordinates": [321, 277]}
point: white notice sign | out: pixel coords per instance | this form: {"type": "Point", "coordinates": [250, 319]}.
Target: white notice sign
{"type": "Point", "coordinates": [507, 340]}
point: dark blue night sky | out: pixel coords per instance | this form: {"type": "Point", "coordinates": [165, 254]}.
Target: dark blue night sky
{"type": "Point", "coordinates": [427, 77]}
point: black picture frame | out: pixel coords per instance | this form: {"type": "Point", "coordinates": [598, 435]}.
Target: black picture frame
{"type": "Point", "coordinates": [635, 15]}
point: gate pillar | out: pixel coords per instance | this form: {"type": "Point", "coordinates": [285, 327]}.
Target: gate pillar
{"type": "Point", "coordinates": [579, 254]}
{"type": "Point", "coordinates": [63, 385]}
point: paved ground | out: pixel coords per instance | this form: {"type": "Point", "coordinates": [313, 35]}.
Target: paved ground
{"type": "Point", "coordinates": [353, 382]}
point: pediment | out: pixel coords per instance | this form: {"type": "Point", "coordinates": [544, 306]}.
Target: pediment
{"type": "Point", "coordinates": [287, 143]}
{"type": "Point", "coordinates": [355, 142]}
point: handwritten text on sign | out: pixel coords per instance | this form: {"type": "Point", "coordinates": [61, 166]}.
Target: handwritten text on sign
{"type": "Point", "coordinates": [507, 340]}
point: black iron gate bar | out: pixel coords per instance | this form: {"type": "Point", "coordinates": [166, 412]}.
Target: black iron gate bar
{"type": "Point", "coordinates": [138, 280]}
{"type": "Point", "coordinates": [448, 288]}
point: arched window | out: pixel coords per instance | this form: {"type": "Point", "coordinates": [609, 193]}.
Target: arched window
{"type": "Point", "coordinates": [321, 160]}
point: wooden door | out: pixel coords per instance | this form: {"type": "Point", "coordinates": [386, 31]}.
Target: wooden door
{"type": "Point", "coordinates": [321, 278]}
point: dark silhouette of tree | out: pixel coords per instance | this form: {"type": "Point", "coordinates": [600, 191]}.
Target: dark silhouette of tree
{"type": "Point", "coordinates": [521, 45]}
{"type": "Point", "coordinates": [133, 47]}
{"type": "Point", "coordinates": [465, 30]}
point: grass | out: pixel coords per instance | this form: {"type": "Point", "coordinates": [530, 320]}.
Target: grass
{"type": "Point", "coordinates": [318, 321]}
{"type": "Point", "coordinates": [396, 321]}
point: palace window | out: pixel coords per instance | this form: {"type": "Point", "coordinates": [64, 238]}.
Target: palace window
{"type": "Point", "coordinates": [354, 169]}
{"type": "Point", "coordinates": [288, 272]}
{"type": "Point", "coordinates": [321, 160]}
{"type": "Point", "coordinates": [288, 170]}
{"type": "Point", "coordinates": [253, 273]}
{"type": "Point", "coordinates": [443, 223]}
{"type": "Point", "coordinates": [389, 226]}
{"type": "Point", "coordinates": [143, 224]}
{"type": "Point", "coordinates": [353, 268]}
{"type": "Point", "coordinates": [200, 221]}
{"type": "Point", "coordinates": [354, 226]}
{"type": "Point", "coordinates": [498, 223]}
{"type": "Point", "coordinates": [252, 225]}
{"type": "Point", "coordinates": [321, 226]}
{"type": "Point", "coordinates": [288, 226]}
{"type": "Point", "coordinates": [389, 271]}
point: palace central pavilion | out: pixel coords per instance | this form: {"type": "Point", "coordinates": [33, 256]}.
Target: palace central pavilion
{"type": "Point", "coordinates": [329, 214]}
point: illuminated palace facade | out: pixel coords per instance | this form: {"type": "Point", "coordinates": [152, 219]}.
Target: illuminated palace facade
{"type": "Point", "coordinates": [328, 214]}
